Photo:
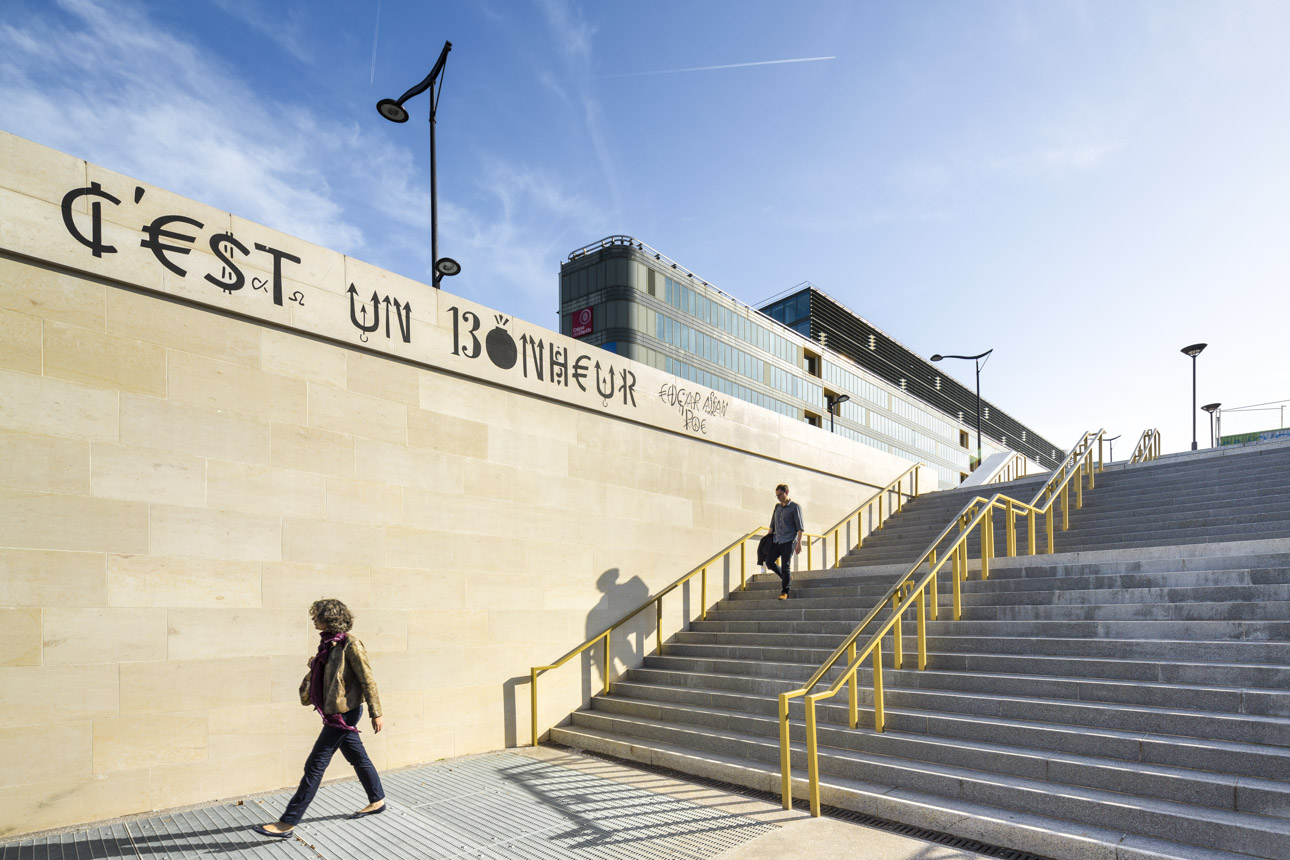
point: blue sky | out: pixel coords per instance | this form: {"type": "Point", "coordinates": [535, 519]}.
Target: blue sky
{"type": "Point", "coordinates": [1086, 187]}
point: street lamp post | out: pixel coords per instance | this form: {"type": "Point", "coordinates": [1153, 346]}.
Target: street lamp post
{"type": "Point", "coordinates": [393, 110]}
{"type": "Point", "coordinates": [1194, 350]}
{"type": "Point", "coordinates": [977, 360]}
{"type": "Point", "coordinates": [1110, 457]}
{"type": "Point", "coordinates": [834, 402]}
{"type": "Point", "coordinates": [1211, 408]}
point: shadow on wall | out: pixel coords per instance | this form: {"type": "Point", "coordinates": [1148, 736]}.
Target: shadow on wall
{"type": "Point", "coordinates": [627, 643]}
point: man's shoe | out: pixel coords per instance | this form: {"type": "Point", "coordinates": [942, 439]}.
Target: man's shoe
{"type": "Point", "coordinates": [782, 597]}
{"type": "Point", "coordinates": [377, 811]}
{"type": "Point", "coordinates": [286, 834]}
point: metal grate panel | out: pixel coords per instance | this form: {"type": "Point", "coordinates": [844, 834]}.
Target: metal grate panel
{"type": "Point", "coordinates": [498, 806]}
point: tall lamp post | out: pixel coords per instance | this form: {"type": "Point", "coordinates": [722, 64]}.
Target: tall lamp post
{"type": "Point", "coordinates": [1194, 350]}
{"type": "Point", "coordinates": [1110, 456]}
{"type": "Point", "coordinates": [834, 402]}
{"type": "Point", "coordinates": [1211, 408]}
{"type": "Point", "coordinates": [393, 110]}
{"type": "Point", "coordinates": [977, 360]}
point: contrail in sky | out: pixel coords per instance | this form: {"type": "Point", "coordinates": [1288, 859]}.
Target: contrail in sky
{"type": "Point", "coordinates": [375, 33]}
{"type": "Point", "coordinates": [712, 68]}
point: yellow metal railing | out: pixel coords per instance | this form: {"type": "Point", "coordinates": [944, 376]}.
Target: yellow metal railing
{"type": "Point", "coordinates": [896, 487]}
{"type": "Point", "coordinates": [978, 513]}
{"type": "Point", "coordinates": [1017, 467]}
{"type": "Point", "coordinates": [1148, 447]}
{"type": "Point", "coordinates": [893, 496]}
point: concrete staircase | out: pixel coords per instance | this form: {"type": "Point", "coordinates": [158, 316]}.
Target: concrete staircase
{"type": "Point", "coordinates": [1128, 697]}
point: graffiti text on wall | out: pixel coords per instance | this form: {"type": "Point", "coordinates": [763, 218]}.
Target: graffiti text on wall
{"type": "Point", "coordinates": [171, 238]}
{"type": "Point", "coordinates": [545, 362]}
{"type": "Point", "coordinates": [693, 406]}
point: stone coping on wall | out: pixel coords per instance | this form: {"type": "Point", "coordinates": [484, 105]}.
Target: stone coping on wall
{"type": "Point", "coordinates": [73, 214]}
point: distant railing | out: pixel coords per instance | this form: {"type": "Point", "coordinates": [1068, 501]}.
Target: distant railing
{"type": "Point", "coordinates": [1148, 447]}
{"type": "Point", "coordinates": [976, 514]}
{"type": "Point", "coordinates": [896, 488]}
{"type": "Point", "coordinates": [1017, 467]}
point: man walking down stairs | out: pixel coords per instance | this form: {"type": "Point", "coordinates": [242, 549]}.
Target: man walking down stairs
{"type": "Point", "coordinates": [1127, 698]}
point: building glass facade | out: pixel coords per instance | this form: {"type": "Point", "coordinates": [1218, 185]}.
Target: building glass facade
{"type": "Point", "coordinates": [633, 300]}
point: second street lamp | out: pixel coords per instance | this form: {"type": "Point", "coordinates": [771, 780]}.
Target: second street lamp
{"type": "Point", "coordinates": [1194, 350]}
{"type": "Point", "coordinates": [834, 402]}
{"type": "Point", "coordinates": [393, 110]}
{"type": "Point", "coordinates": [977, 360]}
{"type": "Point", "coordinates": [1211, 408]}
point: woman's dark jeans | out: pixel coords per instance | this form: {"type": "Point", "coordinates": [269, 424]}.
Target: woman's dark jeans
{"type": "Point", "coordinates": [351, 746]}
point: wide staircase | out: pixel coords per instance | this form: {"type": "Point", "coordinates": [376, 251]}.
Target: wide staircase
{"type": "Point", "coordinates": [1127, 698]}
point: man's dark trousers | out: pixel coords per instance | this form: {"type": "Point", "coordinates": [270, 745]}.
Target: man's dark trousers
{"type": "Point", "coordinates": [784, 568]}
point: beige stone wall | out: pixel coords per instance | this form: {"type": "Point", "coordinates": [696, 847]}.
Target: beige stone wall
{"type": "Point", "coordinates": [184, 468]}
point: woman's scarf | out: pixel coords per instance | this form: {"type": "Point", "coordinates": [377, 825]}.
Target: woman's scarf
{"type": "Point", "coordinates": [328, 641]}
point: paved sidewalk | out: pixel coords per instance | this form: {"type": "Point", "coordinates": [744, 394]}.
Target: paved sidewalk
{"type": "Point", "coordinates": [530, 804]}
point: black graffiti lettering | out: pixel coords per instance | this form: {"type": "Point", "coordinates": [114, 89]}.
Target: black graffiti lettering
{"type": "Point", "coordinates": [580, 370]}
{"type": "Point", "coordinates": [357, 309]}
{"type": "Point", "coordinates": [156, 232]}
{"type": "Point", "coordinates": [695, 423]}
{"type": "Point", "coordinates": [298, 297]}
{"type": "Point", "coordinates": [258, 283]}
{"type": "Point", "coordinates": [386, 300]}
{"type": "Point", "coordinates": [534, 347]}
{"type": "Point", "coordinates": [559, 365]}
{"type": "Point", "coordinates": [218, 243]}
{"type": "Point", "coordinates": [471, 319]}
{"type": "Point", "coordinates": [628, 386]}
{"type": "Point", "coordinates": [715, 405]}
{"type": "Point", "coordinates": [278, 257]}
{"type": "Point", "coordinates": [403, 312]}
{"type": "Point", "coordinates": [605, 394]}
{"type": "Point", "coordinates": [95, 240]}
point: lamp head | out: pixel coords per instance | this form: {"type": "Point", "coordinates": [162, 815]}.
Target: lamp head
{"type": "Point", "coordinates": [842, 398]}
{"type": "Point", "coordinates": [392, 110]}
{"type": "Point", "coordinates": [1194, 350]}
{"type": "Point", "coordinates": [1211, 408]}
{"type": "Point", "coordinates": [937, 357]}
{"type": "Point", "coordinates": [446, 267]}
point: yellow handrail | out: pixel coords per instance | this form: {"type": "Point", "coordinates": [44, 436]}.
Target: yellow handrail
{"type": "Point", "coordinates": [1148, 447]}
{"type": "Point", "coordinates": [896, 486]}
{"type": "Point", "coordinates": [1078, 463]}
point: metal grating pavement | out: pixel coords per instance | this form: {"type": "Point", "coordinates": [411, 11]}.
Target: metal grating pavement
{"type": "Point", "coordinates": [498, 806]}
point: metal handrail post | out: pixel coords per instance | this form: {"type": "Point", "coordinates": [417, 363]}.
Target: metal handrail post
{"type": "Point", "coordinates": [936, 610]}
{"type": "Point", "coordinates": [922, 629]}
{"type": "Point", "coordinates": [608, 664]}
{"type": "Point", "coordinates": [743, 565]}
{"type": "Point", "coordinates": [703, 594]}
{"type": "Point", "coordinates": [533, 702]}
{"type": "Point", "coordinates": [812, 756]}
{"type": "Point", "coordinates": [853, 688]}
{"type": "Point", "coordinates": [785, 754]}
{"type": "Point", "coordinates": [879, 709]}
{"type": "Point", "coordinates": [1011, 536]}
{"type": "Point", "coordinates": [658, 621]}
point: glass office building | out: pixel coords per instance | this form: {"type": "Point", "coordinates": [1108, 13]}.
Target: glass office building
{"type": "Point", "coordinates": [624, 296]}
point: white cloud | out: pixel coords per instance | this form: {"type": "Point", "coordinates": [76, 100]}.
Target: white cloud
{"type": "Point", "coordinates": [119, 90]}
{"type": "Point", "coordinates": [1057, 159]}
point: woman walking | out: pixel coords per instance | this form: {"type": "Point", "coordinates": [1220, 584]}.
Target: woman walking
{"type": "Point", "coordinates": [338, 683]}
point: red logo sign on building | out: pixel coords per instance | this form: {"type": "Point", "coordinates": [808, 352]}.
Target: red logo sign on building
{"type": "Point", "coordinates": [582, 322]}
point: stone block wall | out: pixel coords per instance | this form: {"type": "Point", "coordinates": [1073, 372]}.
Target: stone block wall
{"type": "Point", "coordinates": [185, 467]}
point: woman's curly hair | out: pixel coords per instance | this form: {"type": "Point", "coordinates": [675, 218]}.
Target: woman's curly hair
{"type": "Point", "coordinates": [334, 615]}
